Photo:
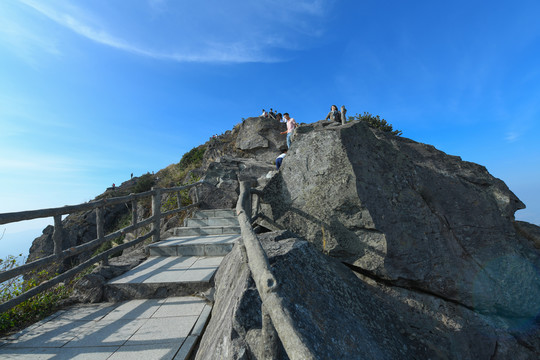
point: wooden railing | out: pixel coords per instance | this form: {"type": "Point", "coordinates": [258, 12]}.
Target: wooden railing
{"type": "Point", "coordinates": [61, 254]}
{"type": "Point", "coordinates": [277, 323]}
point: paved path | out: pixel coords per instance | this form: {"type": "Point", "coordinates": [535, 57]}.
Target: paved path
{"type": "Point", "coordinates": [135, 329]}
{"type": "Point", "coordinates": [159, 319]}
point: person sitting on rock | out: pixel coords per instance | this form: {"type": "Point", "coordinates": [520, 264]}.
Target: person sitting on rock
{"type": "Point", "coordinates": [291, 125]}
{"type": "Point", "coordinates": [279, 117]}
{"type": "Point", "coordinates": [264, 113]}
{"type": "Point", "coordinates": [279, 159]}
{"type": "Point", "coordinates": [334, 114]}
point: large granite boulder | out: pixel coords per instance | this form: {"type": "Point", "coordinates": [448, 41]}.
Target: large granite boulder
{"type": "Point", "coordinates": [260, 138]}
{"type": "Point", "coordinates": [341, 316]}
{"type": "Point", "coordinates": [221, 187]}
{"type": "Point", "coordinates": [255, 137]}
{"type": "Point", "coordinates": [408, 214]}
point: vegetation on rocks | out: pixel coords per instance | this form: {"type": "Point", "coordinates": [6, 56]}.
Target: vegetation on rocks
{"type": "Point", "coordinates": [376, 122]}
{"type": "Point", "coordinates": [179, 174]}
{"type": "Point", "coordinates": [192, 158]}
{"type": "Point", "coordinates": [144, 183]}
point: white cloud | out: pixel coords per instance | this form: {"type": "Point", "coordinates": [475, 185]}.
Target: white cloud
{"type": "Point", "coordinates": [233, 32]}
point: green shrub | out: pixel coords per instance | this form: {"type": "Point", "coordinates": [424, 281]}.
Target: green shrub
{"type": "Point", "coordinates": [376, 122]}
{"type": "Point", "coordinates": [193, 158]}
{"type": "Point", "coordinates": [144, 183]}
{"type": "Point", "coordinates": [34, 309]}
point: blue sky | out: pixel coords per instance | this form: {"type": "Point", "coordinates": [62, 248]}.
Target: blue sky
{"type": "Point", "coordinates": [91, 91]}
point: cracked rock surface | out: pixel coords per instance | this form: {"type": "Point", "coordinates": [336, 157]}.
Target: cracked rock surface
{"type": "Point", "coordinates": [410, 215]}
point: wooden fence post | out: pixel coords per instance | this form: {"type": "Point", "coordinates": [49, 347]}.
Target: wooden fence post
{"type": "Point", "coordinates": [156, 213]}
{"type": "Point", "coordinates": [134, 218]}
{"type": "Point", "coordinates": [100, 231]}
{"type": "Point", "coordinates": [178, 199]}
{"type": "Point", "coordinates": [269, 344]}
{"type": "Point", "coordinates": [58, 234]}
{"type": "Point", "coordinates": [196, 189]}
{"type": "Point", "coordinates": [257, 206]}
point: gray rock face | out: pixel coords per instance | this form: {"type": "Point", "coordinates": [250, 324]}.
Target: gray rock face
{"type": "Point", "coordinates": [256, 138]}
{"type": "Point", "coordinates": [89, 289]}
{"type": "Point", "coordinates": [408, 214]}
{"type": "Point", "coordinates": [222, 177]}
{"type": "Point", "coordinates": [340, 316]}
{"type": "Point", "coordinates": [260, 138]}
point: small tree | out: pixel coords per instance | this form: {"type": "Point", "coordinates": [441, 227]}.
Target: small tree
{"type": "Point", "coordinates": [376, 122]}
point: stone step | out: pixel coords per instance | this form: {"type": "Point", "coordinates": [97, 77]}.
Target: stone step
{"type": "Point", "coordinates": [216, 245]}
{"type": "Point", "coordinates": [202, 214]}
{"type": "Point", "coordinates": [211, 221]}
{"type": "Point", "coordinates": [205, 230]}
{"type": "Point", "coordinates": [161, 277]}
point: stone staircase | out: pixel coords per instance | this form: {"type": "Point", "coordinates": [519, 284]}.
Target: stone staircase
{"type": "Point", "coordinates": [183, 264]}
{"type": "Point", "coordinates": [152, 312]}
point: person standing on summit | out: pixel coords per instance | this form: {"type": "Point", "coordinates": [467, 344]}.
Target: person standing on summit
{"type": "Point", "coordinates": [291, 125]}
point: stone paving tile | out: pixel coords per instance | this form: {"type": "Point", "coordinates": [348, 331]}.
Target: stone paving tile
{"type": "Point", "coordinates": [208, 261]}
{"type": "Point", "coordinates": [180, 306]}
{"type": "Point", "coordinates": [163, 330]}
{"type": "Point", "coordinates": [197, 274]}
{"type": "Point", "coordinates": [177, 269]}
{"type": "Point", "coordinates": [107, 333]}
{"type": "Point", "coordinates": [183, 262]}
{"type": "Point", "coordinates": [166, 276]}
{"type": "Point", "coordinates": [54, 333]}
{"type": "Point", "coordinates": [135, 309]}
{"type": "Point", "coordinates": [146, 352]}
{"type": "Point", "coordinates": [83, 353]}
{"type": "Point", "coordinates": [150, 267]}
{"type": "Point", "coordinates": [87, 312]}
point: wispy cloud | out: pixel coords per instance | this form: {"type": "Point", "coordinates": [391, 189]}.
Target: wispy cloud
{"type": "Point", "coordinates": [207, 34]}
{"type": "Point", "coordinates": [23, 40]}
{"type": "Point", "coordinates": [512, 136]}
{"type": "Point", "coordinates": [35, 163]}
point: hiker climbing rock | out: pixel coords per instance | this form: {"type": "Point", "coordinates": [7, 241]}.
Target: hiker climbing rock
{"type": "Point", "coordinates": [291, 125]}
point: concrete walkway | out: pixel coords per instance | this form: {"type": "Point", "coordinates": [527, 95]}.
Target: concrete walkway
{"type": "Point", "coordinates": [159, 319]}
{"type": "Point", "coordinates": [136, 329]}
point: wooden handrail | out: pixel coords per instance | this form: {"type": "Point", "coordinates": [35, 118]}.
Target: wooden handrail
{"type": "Point", "coordinates": [68, 209]}
{"type": "Point", "coordinates": [275, 317]}
{"type": "Point", "coordinates": [60, 254]}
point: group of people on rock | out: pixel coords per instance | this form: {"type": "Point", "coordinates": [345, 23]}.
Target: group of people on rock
{"type": "Point", "coordinates": [334, 115]}
{"type": "Point", "coordinates": [270, 113]}
{"type": "Point", "coordinates": [273, 114]}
